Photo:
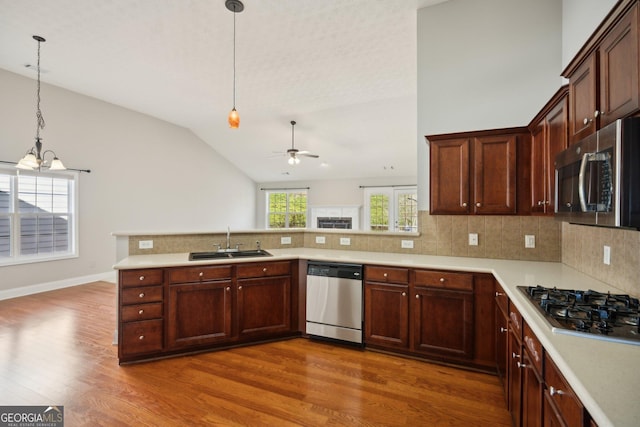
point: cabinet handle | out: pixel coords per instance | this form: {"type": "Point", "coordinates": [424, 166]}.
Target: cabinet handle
{"type": "Point", "coordinates": [464, 204]}
{"type": "Point", "coordinates": [478, 204]}
{"type": "Point", "coordinates": [141, 278]}
{"type": "Point", "coordinates": [201, 274]}
{"type": "Point", "coordinates": [515, 356]}
{"type": "Point", "coordinates": [503, 330]}
{"type": "Point", "coordinates": [141, 295]}
{"type": "Point", "coordinates": [499, 294]}
{"type": "Point", "coordinates": [140, 311]}
{"type": "Point", "coordinates": [240, 287]}
{"type": "Point", "coordinates": [553, 391]}
{"type": "Point", "coordinates": [521, 365]}
{"type": "Point", "coordinates": [141, 337]}
{"type": "Point", "coordinates": [404, 294]}
{"type": "Point", "coordinates": [442, 280]}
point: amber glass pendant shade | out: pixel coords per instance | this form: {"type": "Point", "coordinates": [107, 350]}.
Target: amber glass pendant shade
{"type": "Point", "coordinates": [234, 119]}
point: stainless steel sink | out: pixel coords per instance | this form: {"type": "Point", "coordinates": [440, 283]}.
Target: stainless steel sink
{"type": "Point", "coordinates": [198, 256]}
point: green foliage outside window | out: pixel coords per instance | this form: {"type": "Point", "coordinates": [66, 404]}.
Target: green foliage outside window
{"type": "Point", "coordinates": [287, 210]}
{"type": "Point", "coordinates": [379, 209]}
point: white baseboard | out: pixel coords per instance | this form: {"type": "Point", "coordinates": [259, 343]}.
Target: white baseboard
{"type": "Point", "coordinates": [109, 276]}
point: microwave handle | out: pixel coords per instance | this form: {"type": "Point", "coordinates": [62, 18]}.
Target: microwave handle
{"type": "Point", "coordinates": [581, 176]}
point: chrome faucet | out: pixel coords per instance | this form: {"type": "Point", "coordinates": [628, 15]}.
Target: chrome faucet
{"type": "Point", "coordinates": [228, 237]}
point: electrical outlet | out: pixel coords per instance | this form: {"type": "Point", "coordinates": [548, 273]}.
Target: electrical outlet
{"type": "Point", "coordinates": [285, 240]}
{"type": "Point", "coordinates": [530, 241]}
{"type": "Point", "coordinates": [473, 239]}
{"type": "Point", "coordinates": [320, 240]}
{"type": "Point", "coordinates": [606, 258]}
{"type": "Point", "coordinates": [145, 244]}
{"type": "Point", "coordinates": [345, 241]}
{"type": "Point", "coordinates": [406, 244]}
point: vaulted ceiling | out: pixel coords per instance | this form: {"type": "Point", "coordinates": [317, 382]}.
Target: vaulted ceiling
{"type": "Point", "coordinates": [345, 71]}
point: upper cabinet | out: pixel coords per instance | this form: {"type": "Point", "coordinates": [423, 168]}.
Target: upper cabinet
{"type": "Point", "coordinates": [603, 77]}
{"type": "Point", "coordinates": [476, 172]}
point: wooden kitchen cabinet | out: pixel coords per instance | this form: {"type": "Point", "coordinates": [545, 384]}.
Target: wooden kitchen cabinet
{"type": "Point", "coordinates": [549, 134]}
{"type": "Point", "coordinates": [501, 337]}
{"type": "Point", "coordinates": [515, 359]}
{"type": "Point", "coordinates": [476, 172]}
{"type": "Point", "coordinates": [603, 77]}
{"type": "Point", "coordinates": [442, 314]}
{"type": "Point", "coordinates": [563, 408]}
{"type": "Point", "coordinates": [264, 299]}
{"type": "Point", "coordinates": [199, 306]}
{"type": "Point", "coordinates": [386, 307]}
{"type": "Point", "coordinates": [532, 379]}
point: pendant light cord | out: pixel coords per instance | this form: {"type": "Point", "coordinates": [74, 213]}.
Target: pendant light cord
{"type": "Point", "coordinates": [234, 57]}
{"type": "Point", "coordinates": [39, 119]}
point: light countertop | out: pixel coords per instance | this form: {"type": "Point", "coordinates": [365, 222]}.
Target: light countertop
{"type": "Point", "coordinates": [604, 375]}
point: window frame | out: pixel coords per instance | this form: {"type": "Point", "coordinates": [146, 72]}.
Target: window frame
{"type": "Point", "coordinates": [392, 194]}
{"type": "Point", "coordinates": [14, 215]}
{"type": "Point", "coordinates": [287, 213]}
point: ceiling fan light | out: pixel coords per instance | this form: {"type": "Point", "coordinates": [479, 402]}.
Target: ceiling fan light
{"type": "Point", "coordinates": [296, 160]}
{"type": "Point", "coordinates": [292, 160]}
{"type": "Point", "coordinates": [234, 119]}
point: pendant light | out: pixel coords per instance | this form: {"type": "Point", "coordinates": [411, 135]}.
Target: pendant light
{"type": "Point", "coordinates": [35, 159]}
{"type": "Point", "coordinates": [234, 6]}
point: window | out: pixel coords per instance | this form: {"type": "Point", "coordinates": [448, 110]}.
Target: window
{"type": "Point", "coordinates": [391, 209]}
{"type": "Point", "coordinates": [287, 209]}
{"type": "Point", "coordinates": [37, 216]}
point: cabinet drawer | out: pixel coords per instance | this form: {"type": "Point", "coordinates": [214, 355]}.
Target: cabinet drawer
{"type": "Point", "coordinates": [132, 313]}
{"type": "Point", "coordinates": [141, 295]}
{"type": "Point", "coordinates": [141, 337]}
{"type": "Point", "coordinates": [444, 280]}
{"type": "Point", "coordinates": [386, 274]}
{"type": "Point", "coordinates": [263, 269]}
{"type": "Point", "coordinates": [150, 276]}
{"type": "Point", "coordinates": [561, 394]}
{"type": "Point", "coordinates": [199, 274]}
{"type": "Point", "coordinates": [515, 321]}
{"type": "Point", "coordinates": [533, 348]}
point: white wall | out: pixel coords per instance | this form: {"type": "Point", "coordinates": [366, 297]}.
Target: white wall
{"type": "Point", "coordinates": [345, 192]}
{"type": "Point", "coordinates": [147, 175]}
{"type": "Point", "coordinates": [579, 19]}
{"type": "Point", "coordinates": [482, 65]}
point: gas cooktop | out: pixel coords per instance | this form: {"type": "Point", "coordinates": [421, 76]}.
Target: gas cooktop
{"type": "Point", "coordinates": [604, 316]}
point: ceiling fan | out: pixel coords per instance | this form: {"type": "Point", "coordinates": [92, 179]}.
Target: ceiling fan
{"type": "Point", "coordinates": [294, 152]}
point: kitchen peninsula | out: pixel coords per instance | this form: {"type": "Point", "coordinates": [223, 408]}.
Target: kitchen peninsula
{"type": "Point", "coordinates": [602, 374]}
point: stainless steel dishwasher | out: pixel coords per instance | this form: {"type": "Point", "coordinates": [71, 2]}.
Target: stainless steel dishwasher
{"type": "Point", "coordinates": [334, 301]}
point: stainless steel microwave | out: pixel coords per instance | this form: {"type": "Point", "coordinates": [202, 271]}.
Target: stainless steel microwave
{"type": "Point", "coordinates": [598, 179]}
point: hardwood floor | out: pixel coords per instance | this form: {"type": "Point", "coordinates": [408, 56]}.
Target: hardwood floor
{"type": "Point", "coordinates": [56, 348]}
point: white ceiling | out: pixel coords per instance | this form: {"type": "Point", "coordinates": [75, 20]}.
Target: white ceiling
{"type": "Point", "coordinates": [344, 70]}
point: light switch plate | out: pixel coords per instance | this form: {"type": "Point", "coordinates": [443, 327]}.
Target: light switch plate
{"type": "Point", "coordinates": [606, 258]}
{"type": "Point", "coordinates": [145, 244]}
{"type": "Point", "coordinates": [345, 241]}
{"type": "Point", "coordinates": [529, 241]}
{"type": "Point", "coordinates": [473, 239]}
{"type": "Point", "coordinates": [320, 240]}
{"type": "Point", "coordinates": [406, 244]}
{"type": "Point", "coordinates": [285, 240]}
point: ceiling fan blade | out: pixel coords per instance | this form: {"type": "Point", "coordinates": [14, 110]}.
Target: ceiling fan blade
{"type": "Point", "coordinates": [308, 154]}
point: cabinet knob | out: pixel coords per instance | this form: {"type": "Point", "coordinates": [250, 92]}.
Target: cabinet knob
{"type": "Point", "coordinates": [417, 296]}
{"type": "Point", "coordinates": [587, 120]}
{"type": "Point", "coordinates": [385, 275]}
{"type": "Point", "coordinates": [140, 311]}
{"type": "Point", "coordinates": [503, 330]}
{"type": "Point", "coordinates": [464, 204]}
{"type": "Point", "coordinates": [568, 205]}
{"type": "Point", "coordinates": [404, 294]}
{"type": "Point", "coordinates": [598, 113]}
{"type": "Point", "coordinates": [264, 270]}
{"type": "Point", "coordinates": [141, 278]}
{"type": "Point", "coordinates": [201, 274]}
{"type": "Point", "coordinates": [553, 391]}
{"type": "Point", "coordinates": [228, 288]}
{"type": "Point", "coordinates": [442, 280]}
{"type": "Point", "coordinates": [540, 202]}
{"type": "Point", "coordinates": [478, 204]}
{"type": "Point", "coordinates": [499, 294]}
{"type": "Point", "coordinates": [141, 295]}
{"type": "Point", "coordinates": [240, 287]}
{"type": "Point", "coordinates": [141, 337]}
{"type": "Point", "coordinates": [521, 365]}
{"type": "Point", "coordinates": [515, 356]}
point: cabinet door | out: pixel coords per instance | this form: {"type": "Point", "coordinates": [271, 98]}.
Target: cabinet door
{"type": "Point", "coordinates": [199, 314]}
{"type": "Point", "coordinates": [264, 306]}
{"type": "Point", "coordinates": [501, 347]}
{"type": "Point", "coordinates": [539, 166]}
{"type": "Point", "coordinates": [494, 174]}
{"type": "Point", "coordinates": [515, 379]}
{"type": "Point", "coordinates": [386, 312]}
{"type": "Point", "coordinates": [557, 140]}
{"type": "Point", "coordinates": [531, 394]}
{"type": "Point", "coordinates": [450, 176]}
{"type": "Point", "coordinates": [443, 322]}
{"type": "Point", "coordinates": [619, 70]}
{"type": "Point", "coordinates": [583, 101]}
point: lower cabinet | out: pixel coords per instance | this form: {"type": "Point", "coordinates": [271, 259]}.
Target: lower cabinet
{"type": "Point", "coordinates": [264, 306]}
{"type": "Point", "coordinates": [386, 314]}
{"type": "Point", "coordinates": [563, 408]}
